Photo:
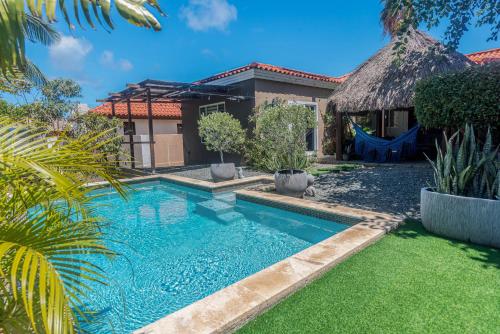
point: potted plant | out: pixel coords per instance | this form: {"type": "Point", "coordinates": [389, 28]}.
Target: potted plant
{"type": "Point", "coordinates": [221, 132]}
{"type": "Point", "coordinates": [464, 204]}
{"type": "Point", "coordinates": [281, 130]}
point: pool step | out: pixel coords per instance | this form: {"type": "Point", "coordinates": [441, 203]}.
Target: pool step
{"type": "Point", "coordinates": [229, 198]}
{"type": "Point", "coordinates": [213, 208]}
{"type": "Point", "coordinates": [230, 217]}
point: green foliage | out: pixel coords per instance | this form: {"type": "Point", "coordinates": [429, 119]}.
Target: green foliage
{"type": "Point", "coordinates": [110, 145]}
{"type": "Point", "coordinates": [318, 171]}
{"type": "Point", "coordinates": [221, 132]}
{"type": "Point", "coordinates": [455, 99]}
{"type": "Point", "coordinates": [30, 19]}
{"type": "Point", "coordinates": [57, 100]}
{"type": "Point", "coordinates": [280, 136]}
{"type": "Point", "coordinates": [53, 105]}
{"type": "Point", "coordinates": [467, 169]}
{"type": "Point", "coordinates": [398, 16]}
{"type": "Point", "coordinates": [330, 131]}
{"type": "Point", "coordinates": [48, 237]}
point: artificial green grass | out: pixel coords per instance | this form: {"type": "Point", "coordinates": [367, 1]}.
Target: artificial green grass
{"type": "Point", "coordinates": [318, 171]}
{"type": "Point", "coordinates": [408, 282]}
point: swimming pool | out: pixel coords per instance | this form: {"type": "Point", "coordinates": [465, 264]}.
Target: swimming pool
{"type": "Point", "coordinates": [179, 245]}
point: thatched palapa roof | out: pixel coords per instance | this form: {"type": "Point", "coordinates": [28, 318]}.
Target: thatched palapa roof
{"type": "Point", "coordinates": [384, 84]}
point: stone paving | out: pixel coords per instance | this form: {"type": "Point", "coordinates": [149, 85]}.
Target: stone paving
{"type": "Point", "coordinates": [392, 189]}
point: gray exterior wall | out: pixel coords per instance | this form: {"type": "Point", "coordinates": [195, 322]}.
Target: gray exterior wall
{"type": "Point", "coordinates": [194, 150]}
{"type": "Point", "coordinates": [266, 90]}
{"type": "Point", "coordinates": [260, 90]}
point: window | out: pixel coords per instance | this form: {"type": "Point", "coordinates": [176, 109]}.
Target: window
{"type": "Point", "coordinates": [211, 108]}
{"type": "Point", "coordinates": [311, 134]}
{"type": "Point", "coordinates": [179, 129]}
{"type": "Point", "coordinates": [129, 128]}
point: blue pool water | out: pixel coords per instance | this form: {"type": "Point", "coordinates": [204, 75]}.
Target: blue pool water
{"type": "Point", "coordinates": [179, 245]}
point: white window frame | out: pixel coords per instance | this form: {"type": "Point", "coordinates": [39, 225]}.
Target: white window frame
{"type": "Point", "coordinates": [210, 105]}
{"type": "Point", "coordinates": [316, 111]}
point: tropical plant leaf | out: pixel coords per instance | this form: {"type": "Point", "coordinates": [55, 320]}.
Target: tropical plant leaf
{"type": "Point", "coordinates": [21, 20]}
{"type": "Point", "coordinates": [48, 235]}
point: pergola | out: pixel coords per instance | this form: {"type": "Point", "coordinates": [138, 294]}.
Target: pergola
{"type": "Point", "coordinates": [151, 91]}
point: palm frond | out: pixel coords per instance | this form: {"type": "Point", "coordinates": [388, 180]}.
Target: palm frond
{"type": "Point", "coordinates": [47, 233]}
{"type": "Point", "coordinates": [40, 31]}
{"type": "Point", "coordinates": [18, 23]}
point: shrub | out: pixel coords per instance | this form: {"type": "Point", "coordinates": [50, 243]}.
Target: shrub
{"type": "Point", "coordinates": [221, 132]}
{"type": "Point", "coordinates": [280, 136]}
{"type": "Point", "coordinates": [455, 99]}
{"type": "Point", "coordinates": [465, 168]}
{"type": "Point", "coordinates": [330, 131]}
{"type": "Point", "coordinates": [89, 124]}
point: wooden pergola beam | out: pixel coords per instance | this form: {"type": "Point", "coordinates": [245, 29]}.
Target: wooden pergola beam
{"type": "Point", "coordinates": [151, 132]}
{"type": "Point", "coordinates": [130, 134]}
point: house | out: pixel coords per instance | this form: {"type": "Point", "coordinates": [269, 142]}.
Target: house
{"type": "Point", "coordinates": [167, 129]}
{"type": "Point", "coordinates": [259, 83]}
{"type": "Point", "coordinates": [177, 107]}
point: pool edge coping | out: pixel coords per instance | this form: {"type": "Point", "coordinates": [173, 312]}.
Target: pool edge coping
{"type": "Point", "coordinates": [195, 183]}
{"type": "Point", "coordinates": [233, 306]}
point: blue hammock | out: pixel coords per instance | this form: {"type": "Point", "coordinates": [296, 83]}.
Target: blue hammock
{"type": "Point", "coordinates": [375, 149]}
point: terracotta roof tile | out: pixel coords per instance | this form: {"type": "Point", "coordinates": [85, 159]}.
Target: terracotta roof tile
{"type": "Point", "coordinates": [273, 68]}
{"type": "Point", "coordinates": [483, 57]}
{"type": "Point", "coordinates": [140, 110]}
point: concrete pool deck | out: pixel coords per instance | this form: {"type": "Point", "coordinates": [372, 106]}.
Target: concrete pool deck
{"type": "Point", "coordinates": [230, 308]}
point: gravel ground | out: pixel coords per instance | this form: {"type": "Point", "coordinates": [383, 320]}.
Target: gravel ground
{"type": "Point", "coordinates": [393, 189]}
{"type": "Point", "coordinates": [204, 173]}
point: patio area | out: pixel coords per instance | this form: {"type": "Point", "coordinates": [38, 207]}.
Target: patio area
{"type": "Point", "coordinates": [391, 189]}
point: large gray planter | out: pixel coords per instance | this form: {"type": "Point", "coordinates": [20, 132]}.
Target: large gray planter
{"type": "Point", "coordinates": [222, 172]}
{"type": "Point", "coordinates": [469, 219]}
{"type": "Point", "coordinates": [291, 183]}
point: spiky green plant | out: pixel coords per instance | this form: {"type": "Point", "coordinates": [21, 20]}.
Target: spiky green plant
{"type": "Point", "coordinates": [464, 168]}
{"type": "Point", "coordinates": [48, 236]}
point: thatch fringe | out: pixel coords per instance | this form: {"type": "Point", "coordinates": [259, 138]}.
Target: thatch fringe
{"type": "Point", "coordinates": [385, 83]}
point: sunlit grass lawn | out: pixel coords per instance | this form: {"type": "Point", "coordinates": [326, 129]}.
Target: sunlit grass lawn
{"type": "Point", "coordinates": [409, 282]}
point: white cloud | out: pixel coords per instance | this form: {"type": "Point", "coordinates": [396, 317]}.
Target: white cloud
{"type": "Point", "coordinates": [125, 65]}
{"type": "Point", "coordinates": [69, 53]}
{"type": "Point", "coordinates": [208, 53]}
{"type": "Point", "coordinates": [108, 59]}
{"type": "Point", "coordinates": [202, 15]}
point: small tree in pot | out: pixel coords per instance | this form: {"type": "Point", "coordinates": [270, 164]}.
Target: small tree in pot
{"type": "Point", "coordinates": [221, 132]}
{"type": "Point", "coordinates": [281, 131]}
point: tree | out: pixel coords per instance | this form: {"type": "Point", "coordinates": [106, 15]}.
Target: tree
{"type": "Point", "coordinates": [50, 105]}
{"type": "Point", "coordinates": [221, 132]}
{"type": "Point", "coordinates": [280, 135]}
{"type": "Point", "coordinates": [399, 16]}
{"type": "Point", "coordinates": [110, 141]}
{"type": "Point", "coordinates": [48, 237]}
{"type": "Point", "coordinates": [21, 20]}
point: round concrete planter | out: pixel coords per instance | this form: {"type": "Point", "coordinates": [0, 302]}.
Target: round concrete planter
{"type": "Point", "coordinates": [291, 183]}
{"type": "Point", "coordinates": [222, 172]}
{"type": "Point", "coordinates": [469, 219]}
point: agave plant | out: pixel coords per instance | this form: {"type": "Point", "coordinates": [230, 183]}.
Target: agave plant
{"type": "Point", "coordinates": [48, 235]}
{"type": "Point", "coordinates": [464, 168]}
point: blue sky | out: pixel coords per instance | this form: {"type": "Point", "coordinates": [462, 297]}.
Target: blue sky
{"type": "Point", "coordinates": [204, 37]}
